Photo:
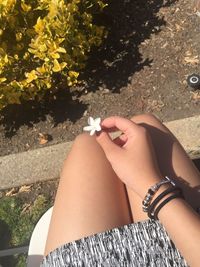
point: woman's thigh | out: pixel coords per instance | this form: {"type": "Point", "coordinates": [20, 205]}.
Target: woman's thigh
{"type": "Point", "coordinates": [173, 162]}
{"type": "Point", "coordinates": [90, 197]}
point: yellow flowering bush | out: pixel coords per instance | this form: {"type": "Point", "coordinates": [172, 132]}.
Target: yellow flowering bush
{"type": "Point", "coordinates": [44, 44]}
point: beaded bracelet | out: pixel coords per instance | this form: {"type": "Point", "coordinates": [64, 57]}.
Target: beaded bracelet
{"type": "Point", "coordinates": [151, 192]}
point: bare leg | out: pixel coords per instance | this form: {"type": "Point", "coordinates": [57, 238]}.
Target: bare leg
{"type": "Point", "coordinates": [90, 197]}
{"type": "Point", "coordinates": [173, 162]}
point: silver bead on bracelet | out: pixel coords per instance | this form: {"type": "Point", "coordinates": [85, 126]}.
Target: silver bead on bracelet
{"type": "Point", "coordinates": [152, 190]}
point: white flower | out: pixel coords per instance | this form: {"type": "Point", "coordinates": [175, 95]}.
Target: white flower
{"type": "Point", "coordinates": [94, 125]}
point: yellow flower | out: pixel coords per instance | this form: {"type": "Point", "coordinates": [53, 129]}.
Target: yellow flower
{"type": "Point", "coordinates": [73, 74]}
{"type": "Point", "coordinates": [26, 55]}
{"type": "Point", "coordinates": [31, 76]}
{"type": "Point", "coordinates": [16, 57]}
{"type": "Point", "coordinates": [58, 66]}
{"type": "Point", "coordinates": [2, 80]}
{"type": "Point", "coordinates": [25, 7]}
{"type": "Point", "coordinates": [39, 26]}
{"type": "Point", "coordinates": [42, 48]}
{"type": "Point", "coordinates": [18, 36]}
{"type": "Point", "coordinates": [41, 69]}
{"type": "Point", "coordinates": [55, 55]}
{"type": "Point", "coordinates": [6, 59]}
{"type": "Point", "coordinates": [61, 50]}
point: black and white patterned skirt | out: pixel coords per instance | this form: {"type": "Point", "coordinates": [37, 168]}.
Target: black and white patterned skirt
{"type": "Point", "coordinates": [142, 244]}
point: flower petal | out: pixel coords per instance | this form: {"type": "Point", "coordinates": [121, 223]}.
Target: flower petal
{"type": "Point", "coordinates": [88, 128]}
{"type": "Point", "coordinates": [98, 128]}
{"type": "Point", "coordinates": [90, 121]}
{"type": "Point", "coordinates": [92, 131]}
{"type": "Point", "coordinates": [97, 121]}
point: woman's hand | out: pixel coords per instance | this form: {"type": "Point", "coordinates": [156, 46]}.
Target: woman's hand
{"type": "Point", "coordinates": [133, 159]}
{"type": "Point", "coordinates": [131, 155]}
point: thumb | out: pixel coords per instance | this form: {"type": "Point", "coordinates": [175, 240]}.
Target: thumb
{"type": "Point", "coordinates": [108, 146]}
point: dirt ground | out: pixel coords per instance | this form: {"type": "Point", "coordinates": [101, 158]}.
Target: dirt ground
{"type": "Point", "coordinates": [152, 47]}
{"type": "Point", "coordinates": [29, 193]}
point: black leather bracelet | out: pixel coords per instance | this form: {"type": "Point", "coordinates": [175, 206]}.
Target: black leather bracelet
{"type": "Point", "coordinates": [157, 200]}
{"type": "Point", "coordinates": [152, 190]}
{"type": "Point", "coordinates": [176, 195]}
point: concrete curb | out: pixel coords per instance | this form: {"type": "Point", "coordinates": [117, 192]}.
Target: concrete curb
{"type": "Point", "coordinates": [32, 166]}
{"type": "Point", "coordinates": [45, 163]}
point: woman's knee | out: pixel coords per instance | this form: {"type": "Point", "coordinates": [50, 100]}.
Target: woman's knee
{"type": "Point", "coordinates": [84, 140]}
{"type": "Point", "coordinates": [147, 118]}
{"type": "Point", "coordinates": [83, 150]}
{"type": "Point", "coordinates": [160, 134]}
{"type": "Point", "coordinates": [86, 147]}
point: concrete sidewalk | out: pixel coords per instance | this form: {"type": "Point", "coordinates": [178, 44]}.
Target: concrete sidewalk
{"type": "Point", "coordinates": [45, 163]}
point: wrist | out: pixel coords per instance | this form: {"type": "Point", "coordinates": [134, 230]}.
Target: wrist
{"type": "Point", "coordinates": [159, 195]}
{"type": "Point", "coordinates": [148, 183]}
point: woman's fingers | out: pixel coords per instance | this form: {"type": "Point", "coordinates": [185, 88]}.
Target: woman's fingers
{"type": "Point", "coordinates": [107, 144]}
{"type": "Point", "coordinates": [126, 126]}
{"type": "Point", "coordinates": [109, 130]}
{"type": "Point", "coordinates": [120, 140]}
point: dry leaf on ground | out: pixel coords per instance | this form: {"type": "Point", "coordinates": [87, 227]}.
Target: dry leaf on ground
{"type": "Point", "coordinates": [43, 138]}
{"type": "Point", "coordinates": [155, 105]}
{"type": "Point", "coordinates": [25, 208]}
{"type": "Point", "coordinates": [193, 60]}
{"type": "Point", "coordinates": [25, 188]}
{"type": "Point", "coordinates": [11, 192]}
{"type": "Point", "coordinates": [196, 96]}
